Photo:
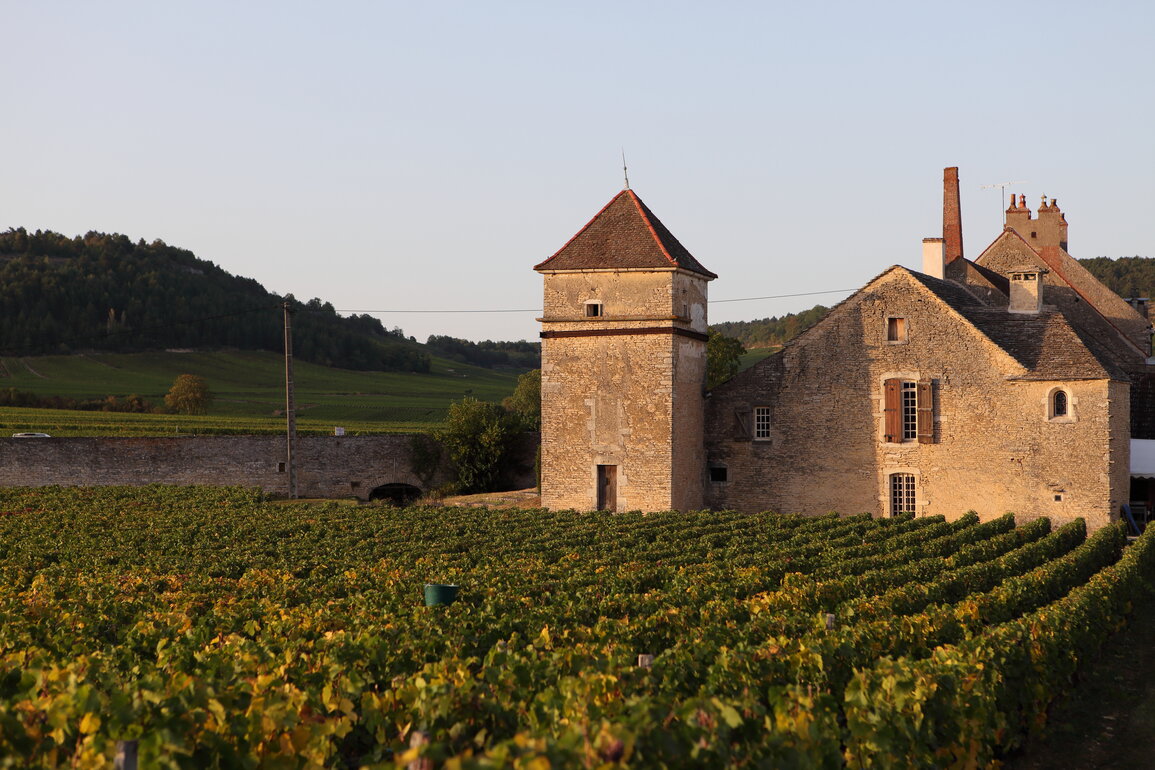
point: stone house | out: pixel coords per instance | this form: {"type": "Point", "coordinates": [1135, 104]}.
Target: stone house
{"type": "Point", "coordinates": [999, 384]}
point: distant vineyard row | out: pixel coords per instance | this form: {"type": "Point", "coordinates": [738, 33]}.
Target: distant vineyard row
{"type": "Point", "coordinates": [211, 625]}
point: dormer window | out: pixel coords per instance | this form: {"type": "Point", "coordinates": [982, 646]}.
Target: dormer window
{"type": "Point", "coordinates": [594, 309]}
{"type": "Point", "coordinates": [895, 329]}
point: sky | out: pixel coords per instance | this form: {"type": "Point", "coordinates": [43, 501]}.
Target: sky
{"type": "Point", "coordinates": [391, 157]}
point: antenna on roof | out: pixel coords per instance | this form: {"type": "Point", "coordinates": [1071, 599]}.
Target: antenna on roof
{"type": "Point", "coordinates": [1003, 188]}
{"type": "Point", "coordinates": [625, 171]}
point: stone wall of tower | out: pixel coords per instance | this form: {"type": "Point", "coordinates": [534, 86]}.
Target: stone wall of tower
{"type": "Point", "coordinates": [623, 388]}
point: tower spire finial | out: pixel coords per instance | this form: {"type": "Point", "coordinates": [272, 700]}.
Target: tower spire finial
{"type": "Point", "coordinates": [625, 171]}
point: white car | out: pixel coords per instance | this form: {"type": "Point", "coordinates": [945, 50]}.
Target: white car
{"type": "Point", "coordinates": [30, 435]}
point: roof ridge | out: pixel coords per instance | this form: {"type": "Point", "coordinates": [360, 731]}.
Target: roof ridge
{"type": "Point", "coordinates": [644, 212]}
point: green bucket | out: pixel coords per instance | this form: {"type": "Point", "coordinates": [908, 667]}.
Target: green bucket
{"type": "Point", "coordinates": [436, 593]}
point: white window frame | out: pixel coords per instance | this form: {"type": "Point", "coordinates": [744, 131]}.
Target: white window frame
{"type": "Point", "coordinates": [594, 309]}
{"type": "Point", "coordinates": [902, 493]}
{"type": "Point", "coordinates": [761, 423]}
{"type": "Point", "coordinates": [909, 406]}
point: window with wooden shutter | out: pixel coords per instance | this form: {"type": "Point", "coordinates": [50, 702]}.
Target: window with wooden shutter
{"type": "Point", "coordinates": [925, 412]}
{"type": "Point", "coordinates": [742, 423]}
{"type": "Point", "coordinates": [892, 411]}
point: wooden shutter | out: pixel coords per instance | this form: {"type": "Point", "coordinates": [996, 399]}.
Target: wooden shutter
{"type": "Point", "coordinates": [925, 412]}
{"type": "Point", "coordinates": [742, 431]}
{"type": "Point", "coordinates": [892, 411]}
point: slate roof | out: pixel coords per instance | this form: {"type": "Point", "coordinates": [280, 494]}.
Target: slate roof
{"type": "Point", "coordinates": [624, 234]}
{"type": "Point", "coordinates": [1048, 345]}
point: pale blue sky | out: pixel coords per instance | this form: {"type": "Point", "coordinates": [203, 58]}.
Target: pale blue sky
{"type": "Point", "coordinates": [404, 156]}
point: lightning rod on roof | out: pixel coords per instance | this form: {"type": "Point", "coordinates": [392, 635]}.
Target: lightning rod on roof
{"type": "Point", "coordinates": [625, 171]}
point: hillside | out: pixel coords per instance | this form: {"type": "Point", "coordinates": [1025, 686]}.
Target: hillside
{"type": "Point", "coordinates": [248, 389]}
{"type": "Point", "coordinates": [104, 292]}
{"type": "Point", "coordinates": [1126, 276]}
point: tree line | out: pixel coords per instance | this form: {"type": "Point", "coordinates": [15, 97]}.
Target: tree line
{"type": "Point", "coordinates": [105, 292]}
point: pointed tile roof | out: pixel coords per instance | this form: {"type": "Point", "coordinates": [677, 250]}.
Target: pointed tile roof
{"type": "Point", "coordinates": [624, 234]}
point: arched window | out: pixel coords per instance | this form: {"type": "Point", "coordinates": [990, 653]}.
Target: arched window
{"type": "Point", "coordinates": [1061, 405]}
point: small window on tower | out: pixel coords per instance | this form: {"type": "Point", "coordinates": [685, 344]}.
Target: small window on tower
{"type": "Point", "coordinates": [895, 329]}
{"type": "Point", "coordinates": [593, 310]}
{"type": "Point", "coordinates": [718, 473]}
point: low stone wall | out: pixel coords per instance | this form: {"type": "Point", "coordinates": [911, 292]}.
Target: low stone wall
{"type": "Point", "coordinates": [327, 466]}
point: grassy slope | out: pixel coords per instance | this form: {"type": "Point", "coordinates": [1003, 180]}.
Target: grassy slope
{"type": "Point", "coordinates": [249, 391]}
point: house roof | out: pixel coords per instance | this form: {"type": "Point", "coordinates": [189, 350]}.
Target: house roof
{"type": "Point", "coordinates": [1087, 303]}
{"type": "Point", "coordinates": [625, 234]}
{"type": "Point", "coordinates": [1048, 345]}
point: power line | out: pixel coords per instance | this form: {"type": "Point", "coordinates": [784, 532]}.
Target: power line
{"type": "Point", "coordinates": [539, 310]}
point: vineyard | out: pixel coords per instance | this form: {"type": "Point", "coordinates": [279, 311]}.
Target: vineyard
{"type": "Point", "coordinates": [218, 629]}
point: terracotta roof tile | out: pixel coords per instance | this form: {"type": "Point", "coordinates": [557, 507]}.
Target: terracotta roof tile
{"type": "Point", "coordinates": [624, 234]}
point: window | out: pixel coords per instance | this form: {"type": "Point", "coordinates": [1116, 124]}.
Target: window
{"type": "Point", "coordinates": [1061, 405]}
{"type": "Point", "coordinates": [718, 473]}
{"type": "Point", "coordinates": [908, 411]}
{"type": "Point", "coordinates": [761, 423]}
{"type": "Point", "coordinates": [593, 310]}
{"type": "Point", "coordinates": [902, 495]}
{"type": "Point", "coordinates": [896, 330]}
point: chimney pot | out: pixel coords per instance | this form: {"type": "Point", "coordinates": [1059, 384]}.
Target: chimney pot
{"type": "Point", "coordinates": [932, 257]}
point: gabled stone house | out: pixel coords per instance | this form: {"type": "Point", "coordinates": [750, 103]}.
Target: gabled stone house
{"type": "Point", "coordinates": [1002, 384]}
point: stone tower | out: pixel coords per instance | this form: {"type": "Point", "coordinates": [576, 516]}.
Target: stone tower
{"type": "Point", "coordinates": [623, 366]}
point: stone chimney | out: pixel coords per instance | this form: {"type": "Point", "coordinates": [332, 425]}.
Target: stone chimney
{"type": "Point", "coordinates": [1026, 290]}
{"type": "Point", "coordinates": [933, 263]}
{"type": "Point", "coordinates": [1050, 229]}
{"type": "Point", "coordinates": [1140, 305]}
{"type": "Point", "coordinates": [951, 216]}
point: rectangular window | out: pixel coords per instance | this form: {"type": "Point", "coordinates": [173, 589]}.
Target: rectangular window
{"type": "Point", "coordinates": [902, 497]}
{"type": "Point", "coordinates": [896, 330]}
{"type": "Point", "coordinates": [718, 473]}
{"type": "Point", "coordinates": [593, 310]}
{"type": "Point", "coordinates": [762, 422]}
{"type": "Point", "coordinates": [908, 411]}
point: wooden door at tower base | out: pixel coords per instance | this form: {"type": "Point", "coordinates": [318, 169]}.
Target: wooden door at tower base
{"type": "Point", "coordinates": [607, 487]}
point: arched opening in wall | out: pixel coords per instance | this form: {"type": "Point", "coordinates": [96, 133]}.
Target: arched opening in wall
{"type": "Point", "coordinates": [397, 494]}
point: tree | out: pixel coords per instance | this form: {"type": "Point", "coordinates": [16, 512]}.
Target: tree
{"type": "Point", "coordinates": [478, 437]}
{"type": "Point", "coordinates": [526, 400]}
{"type": "Point", "coordinates": [723, 357]}
{"type": "Point", "coordinates": [189, 394]}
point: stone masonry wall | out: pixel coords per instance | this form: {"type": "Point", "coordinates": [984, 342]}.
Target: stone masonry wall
{"type": "Point", "coordinates": [327, 466]}
{"type": "Point", "coordinates": [994, 449]}
{"type": "Point", "coordinates": [631, 399]}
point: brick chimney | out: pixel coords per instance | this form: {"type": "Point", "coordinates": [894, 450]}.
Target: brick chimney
{"type": "Point", "coordinates": [951, 216]}
{"type": "Point", "coordinates": [1050, 229]}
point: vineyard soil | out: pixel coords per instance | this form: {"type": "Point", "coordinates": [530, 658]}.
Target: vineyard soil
{"type": "Point", "coordinates": [1109, 719]}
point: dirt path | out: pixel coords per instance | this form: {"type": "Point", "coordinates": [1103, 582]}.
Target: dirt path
{"type": "Point", "coordinates": [1109, 721]}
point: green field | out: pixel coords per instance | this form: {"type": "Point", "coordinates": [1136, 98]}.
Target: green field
{"type": "Point", "coordinates": [249, 393]}
{"type": "Point", "coordinates": [218, 630]}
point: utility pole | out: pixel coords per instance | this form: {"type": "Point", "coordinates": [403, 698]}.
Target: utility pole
{"type": "Point", "coordinates": [290, 406]}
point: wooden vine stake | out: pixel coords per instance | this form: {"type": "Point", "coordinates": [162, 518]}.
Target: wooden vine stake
{"type": "Point", "coordinates": [125, 758]}
{"type": "Point", "coordinates": [418, 739]}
